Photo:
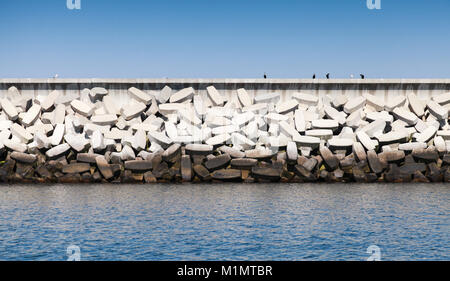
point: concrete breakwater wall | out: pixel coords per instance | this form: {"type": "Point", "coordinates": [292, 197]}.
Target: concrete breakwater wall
{"type": "Point", "coordinates": [173, 130]}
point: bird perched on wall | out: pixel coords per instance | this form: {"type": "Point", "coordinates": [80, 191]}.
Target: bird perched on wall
{"type": "Point", "coordinates": [362, 76]}
{"type": "Point", "coordinates": [265, 75]}
{"type": "Point", "coordinates": [56, 76]}
{"type": "Point", "coordinates": [328, 75]}
{"type": "Point", "coordinates": [314, 76]}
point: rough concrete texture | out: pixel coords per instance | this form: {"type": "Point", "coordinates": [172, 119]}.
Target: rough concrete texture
{"type": "Point", "coordinates": [231, 130]}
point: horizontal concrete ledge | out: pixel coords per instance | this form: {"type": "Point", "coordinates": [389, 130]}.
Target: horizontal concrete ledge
{"type": "Point", "coordinates": [217, 81]}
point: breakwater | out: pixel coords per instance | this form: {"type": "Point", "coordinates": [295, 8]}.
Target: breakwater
{"type": "Point", "coordinates": [182, 130]}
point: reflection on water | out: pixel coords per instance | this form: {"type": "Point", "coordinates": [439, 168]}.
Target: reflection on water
{"type": "Point", "coordinates": [223, 222]}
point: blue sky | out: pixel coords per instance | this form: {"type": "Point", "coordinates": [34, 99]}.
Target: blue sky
{"type": "Point", "coordinates": [224, 38]}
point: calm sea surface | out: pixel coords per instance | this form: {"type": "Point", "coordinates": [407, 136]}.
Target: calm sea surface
{"type": "Point", "coordinates": [225, 222]}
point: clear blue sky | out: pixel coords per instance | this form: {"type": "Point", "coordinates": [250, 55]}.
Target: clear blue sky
{"type": "Point", "coordinates": [224, 38]}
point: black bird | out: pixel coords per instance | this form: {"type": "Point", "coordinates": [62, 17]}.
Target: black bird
{"type": "Point", "coordinates": [265, 76]}
{"type": "Point", "coordinates": [362, 76]}
{"type": "Point", "coordinates": [328, 75]}
{"type": "Point", "coordinates": [314, 76]}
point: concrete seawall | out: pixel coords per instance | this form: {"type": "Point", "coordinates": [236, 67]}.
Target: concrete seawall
{"type": "Point", "coordinates": [384, 88]}
{"type": "Point", "coordinates": [202, 130]}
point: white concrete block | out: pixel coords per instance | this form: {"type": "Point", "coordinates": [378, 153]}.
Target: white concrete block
{"type": "Point", "coordinates": [50, 100]}
{"type": "Point", "coordinates": [77, 142]}
{"type": "Point", "coordinates": [241, 141]}
{"type": "Point", "coordinates": [442, 99]}
{"type": "Point", "coordinates": [140, 95]}
{"type": "Point", "coordinates": [21, 133]}
{"type": "Point", "coordinates": [306, 98]}
{"type": "Point", "coordinates": [323, 134]}
{"type": "Point", "coordinates": [182, 95]}
{"type": "Point", "coordinates": [164, 95]}
{"type": "Point", "coordinates": [32, 115]}
{"type": "Point", "coordinates": [405, 115]}
{"type": "Point", "coordinates": [426, 135]}
{"type": "Point", "coordinates": [325, 124]}
{"type": "Point", "coordinates": [292, 151]}
{"type": "Point", "coordinates": [9, 109]}
{"type": "Point", "coordinates": [244, 97]}
{"type": "Point", "coordinates": [287, 106]}
{"type": "Point", "coordinates": [219, 139]}
{"type": "Point", "coordinates": [160, 138]}
{"type": "Point", "coordinates": [215, 96]}
{"type": "Point", "coordinates": [133, 111]}
{"type": "Point", "coordinates": [416, 106]}
{"type": "Point", "coordinates": [81, 108]}
{"type": "Point", "coordinates": [354, 104]}
{"type": "Point", "coordinates": [97, 141]}
{"type": "Point", "coordinates": [395, 102]}
{"type": "Point", "coordinates": [300, 123]}
{"type": "Point", "coordinates": [103, 120]}
{"type": "Point", "coordinates": [58, 151]}
{"type": "Point", "coordinates": [438, 111]}
{"type": "Point", "coordinates": [376, 102]}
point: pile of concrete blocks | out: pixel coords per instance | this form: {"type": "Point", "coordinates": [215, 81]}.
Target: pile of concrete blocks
{"type": "Point", "coordinates": [181, 135]}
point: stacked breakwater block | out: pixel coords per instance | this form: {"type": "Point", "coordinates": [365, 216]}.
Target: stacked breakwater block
{"type": "Point", "coordinates": [202, 136]}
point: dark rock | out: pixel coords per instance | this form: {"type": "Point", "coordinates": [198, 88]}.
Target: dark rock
{"type": "Point", "coordinates": [310, 164]}
{"type": "Point", "coordinates": [434, 173]}
{"type": "Point", "coordinates": [202, 172]}
{"type": "Point", "coordinates": [186, 168]}
{"type": "Point", "coordinates": [23, 157]}
{"type": "Point", "coordinates": [337, 175]}
{"type": "Point", "coordinates": [227, 175]}
{"type": "Point", "coordinates": [371, 177]}
{"type": "Point", "coordinates": [359, 152]}
{"type": "Point", "coordinates": [330, 160]}
{"type": "Point", "coordinates": [374, 162]}
{"type": "Point", "coordinates": [393, 156]}
{"type": "Point", "coordinates": [43, 172]}
{"type": "Point", "coordinates": [149, 177]}
{"type": "Point", "coordinates": [172, 154]}
{"type": "Point", "coordinates": [8, 166]}
{"type": "Point", "coordinates": [218, 162]}
{"type": "Point", "coordinates": [87, 157]}
{"type": "Point", "coordinates": [446, 160]}
{"type": "Point", "coordinates": [129, 177]}
{"type": "Point", "coordinates": [161, 170]}
{"type": "Point", "coordinates": [303, 173]}
{"type": "Point", "coordinates": [419, 177]}
{"type": "Point", "coordinates": [324, 175]}
{"type": "Point", "coordinates": [138, 165]}
{"type": "Point", "coordinates": [156, 160]}
{"type": "Point", "coordinates": [24, 170]}
{"type": "Point", "coordinates": [76, 168]}
{"type": "Point", "coordinates": [116, 169]}
{"type": "Point", "coordinates": [347, 163]}
{"type": "Point", "coordinates": [394, 174]}
{"type": "Point", "coordinates": [268, 173]}
{"type": "Point", "coordinates": [86, 177]}
{"type": "Point", "coordinates": [97, 177]}
{"type": "Point", "coordinates": [411, 168]}
{"type": "Point", "coordinates": [425, 155]}
{"type": "Point", "coordinates": [70, 178]}
{"type": "Point", "coordinates": [198, 159]}
{"type": "Point", "coordinates": [447, 175]}
{"type": "Point", "coordinates": [104, 167]}
{"type": "Point", "coordinates": [243, 163]}
{"type": "Point", "coordinates": [358, 174]}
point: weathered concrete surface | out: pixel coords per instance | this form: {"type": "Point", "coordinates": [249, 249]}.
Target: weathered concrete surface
{"type": "Point", "coordinates": [224, 130]}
